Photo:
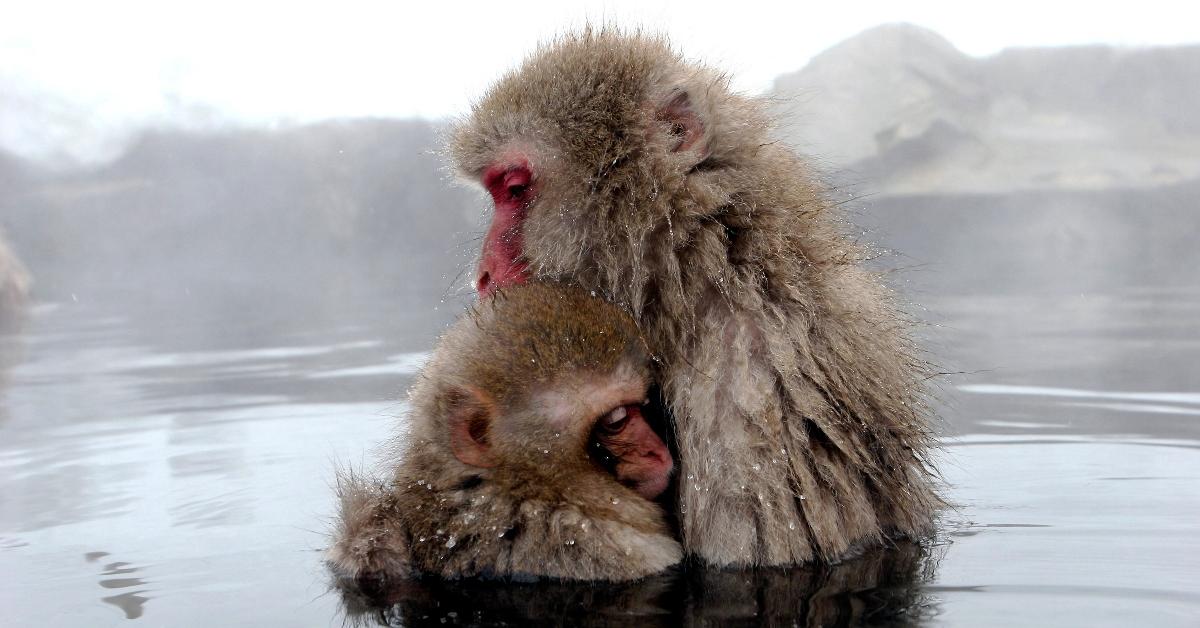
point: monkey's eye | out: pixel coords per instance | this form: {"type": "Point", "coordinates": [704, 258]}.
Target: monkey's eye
{"type": "Point", "coordinates": [614, 422]}
{"type": "Point", "coordinates": [510, 186]}
{"type": "Point", "coordinates": [517, 192]}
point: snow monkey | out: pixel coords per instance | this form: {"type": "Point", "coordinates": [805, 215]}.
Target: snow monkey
{"type": "Point", "coordinates": [616, 165]}
{"type": "Point", "coordinates": [499, 474]}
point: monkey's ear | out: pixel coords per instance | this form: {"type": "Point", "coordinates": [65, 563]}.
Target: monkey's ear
{"type": "Point", "coordinates": [470, 413]}
{"type": "Point", "coordinates": [683, 123]}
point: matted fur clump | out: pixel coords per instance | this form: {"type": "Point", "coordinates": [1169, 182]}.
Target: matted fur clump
{"type": "Point", "coordinates": [798, 397]}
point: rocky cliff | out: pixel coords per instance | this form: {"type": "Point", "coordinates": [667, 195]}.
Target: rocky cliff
{"type": "Point", "coordinates": [900, 110]}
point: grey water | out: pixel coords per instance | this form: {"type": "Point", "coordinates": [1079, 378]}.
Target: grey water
{"type": "Point", "coordinates": [168, 461]}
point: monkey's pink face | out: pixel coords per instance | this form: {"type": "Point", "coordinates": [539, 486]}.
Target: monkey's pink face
{"type": "Point", "coordinates": [517, 173]}
{"type": "Point", "coordinates": [643, 461]}
{"type": "Point", "coordinates": [511, 183]}
{"type": "Point", "coordinates": [634, 452]}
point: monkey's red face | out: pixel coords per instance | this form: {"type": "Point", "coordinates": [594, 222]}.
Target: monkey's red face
{"type": "Point", "coordinates": [616, 429]}
{"type": "Point", "coordinates": [643, 462]}
{"type": "Point", "coordinates": [512, 185]}
{"type": "Point", "coordinates": [597, 415]}
{"type": "Point", "coordinates": [583, 189]}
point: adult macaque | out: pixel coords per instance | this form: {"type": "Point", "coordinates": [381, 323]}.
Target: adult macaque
{"type": "Point", "coordinates": [617, 166]}
{"type": "Point", "coordinates": [496, 474]}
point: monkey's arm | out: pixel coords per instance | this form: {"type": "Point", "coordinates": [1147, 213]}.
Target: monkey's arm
{"type": "Point", "coordinates": [797, 445]}
{"type": "Point", "coordinates": [627, 542]}
{"type": "Point", "coordinates": [771, 473]}
{"type": "Point", "coordinates": [370, 539]}
{"type": "Point", "coordinates": [738, 503]}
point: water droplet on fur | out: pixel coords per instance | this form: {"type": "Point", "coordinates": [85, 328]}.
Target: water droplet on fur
{"type": "Point", "coordinates": [615, 501]}
{"type": "Point", "coordinates": [421, 539]}
{"type": "Point", "coordinates": [451, 542]}
{"type": "Point", "coordinates": [791, 525]}
{"type": "Point", "coordinates": [756, 467]}
{"type": "Point", "coordinates": [569, 542]}
{"type": "Point", "coordinates": [801, 497]}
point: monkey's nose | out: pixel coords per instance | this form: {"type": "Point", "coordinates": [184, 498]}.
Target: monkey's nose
{"type": "Point", "coordinates": [483, 283]}
{"type": "Point", "coordinates": [658, 455]}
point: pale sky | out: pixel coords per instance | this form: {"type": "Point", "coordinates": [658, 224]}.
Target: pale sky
{"type": "Point", "coordinates": [75, 75]}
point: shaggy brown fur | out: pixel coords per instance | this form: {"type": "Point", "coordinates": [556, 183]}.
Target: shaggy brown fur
{"type": "Point", "coordinates": [14, 282]}
{"type": "Point", "coordinates": [797, 395]}
{"type": "Point", "coordinates": [546, 508]}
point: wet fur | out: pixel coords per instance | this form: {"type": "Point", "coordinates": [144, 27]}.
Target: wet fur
{"type": "Point", "coordinates": [797, 394]}
{"type": "Point", "coordinates": [546, 509]}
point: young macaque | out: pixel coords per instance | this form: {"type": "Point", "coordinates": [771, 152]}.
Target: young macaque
{"type": "Point", "coordinates": [501, 473]}
{"type": "Point", "coordinates": [616, 165]}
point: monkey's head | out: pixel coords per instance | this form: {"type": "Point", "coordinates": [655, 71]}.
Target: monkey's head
{"type": "Point", "coordinates": [538, 379]}
{"type": "Point", "coordinates": [600, 148]}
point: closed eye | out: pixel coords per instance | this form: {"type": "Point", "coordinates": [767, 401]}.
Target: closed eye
{"type": "Point", "coordinates": [614, 422]}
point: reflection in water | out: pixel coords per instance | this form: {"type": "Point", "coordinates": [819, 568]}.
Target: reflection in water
{"type": "Point", "coordinates": [881, 587]}
{"type": "Point", "coordinates": [130, 602]}
{"type": "Point", "coordinates": [1045, 391]}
